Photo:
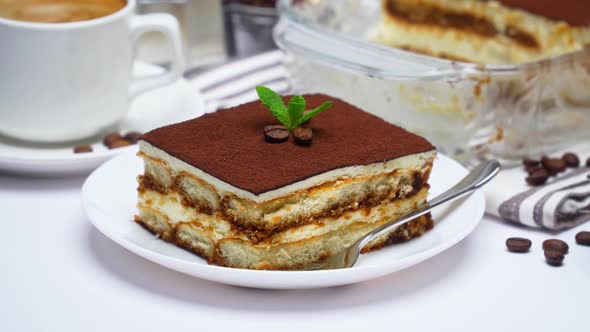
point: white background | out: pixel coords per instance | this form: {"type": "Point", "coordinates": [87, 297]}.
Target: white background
{"type": "Point", "coordinates": [60, 274]}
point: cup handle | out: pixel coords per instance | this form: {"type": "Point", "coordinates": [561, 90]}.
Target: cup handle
{"type": "Point", "coordinates": [167, 25]}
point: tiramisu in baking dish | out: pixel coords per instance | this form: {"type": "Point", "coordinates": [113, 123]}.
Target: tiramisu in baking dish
{"type": "Point", "coordinates": [487, 32]}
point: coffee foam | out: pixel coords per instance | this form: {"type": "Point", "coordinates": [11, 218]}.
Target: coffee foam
{"type": "Point", "coordinates": [58, 11]}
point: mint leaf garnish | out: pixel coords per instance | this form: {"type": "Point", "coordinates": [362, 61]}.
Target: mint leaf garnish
{"type": "Point", "coordinates": [292, 116]}
{"type": "Point", "coordinates": [314, 112]}
{"type": "Point", "coordinates": [274, 103]}
{"type": "Point", "coordinates": [296, 108]}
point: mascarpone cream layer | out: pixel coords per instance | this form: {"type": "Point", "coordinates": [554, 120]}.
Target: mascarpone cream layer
{"type": "Point", "coordinates": [415, 161]}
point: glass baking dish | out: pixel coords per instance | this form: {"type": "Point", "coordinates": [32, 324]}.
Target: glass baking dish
{"type": "Point", "coordinates": [469, 111]}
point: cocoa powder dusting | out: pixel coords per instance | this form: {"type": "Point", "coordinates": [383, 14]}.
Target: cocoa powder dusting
{"type": "Point", "coordinates": [229, 144]}
{"type": "Point", "coordinates": [574, 12]}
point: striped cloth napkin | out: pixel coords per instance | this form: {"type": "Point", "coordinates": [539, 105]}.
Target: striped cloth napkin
{"type": "Point", "coordinates": [233, 83]}
{"type": "Point", "coordinates": [563, 202]}
{"type": "Point", "coordinates": [559, 204]}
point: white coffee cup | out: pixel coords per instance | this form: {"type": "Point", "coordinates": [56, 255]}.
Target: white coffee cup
{"type": "Point", "coordinates": [67, 81]}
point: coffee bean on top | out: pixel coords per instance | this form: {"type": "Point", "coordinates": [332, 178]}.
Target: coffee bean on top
{"type": "Point", "coordinates": [554, 258]}
{"type": "Point", "coordinates": [555, 245]}
{"type": "Point", "coordinates": [119, 144]}
{"type": "Point", "coordinates": [571, 159]}
{"type": "Point", "coordinates": [111, 138]}
{"type": "Point", "coordinates": [132, 136]}
{"type": "Point", "coordinates": [273, 127]}
{"type": "Point", "coordinates": [538, 177]}
{"type": "Point", "coordinates": [302, 136]}
{"type": "Point", "coordinates": [588, 162]}
{"type": "Point", "coordinates": [276, 134]}
{"type": "Point", "coordinates": [553, 165]}
{"type": "Point", "coordinates": [583, 238]}
{"type": "Point", "coordinates": [530, 162]}
{"type": "Point", "coordinates": [518, 244]}
{"type": "Point", "coordinates": [82, 149]}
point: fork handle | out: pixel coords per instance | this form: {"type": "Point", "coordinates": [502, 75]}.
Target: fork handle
{"type": "Point", "coordinates": [479, 176]}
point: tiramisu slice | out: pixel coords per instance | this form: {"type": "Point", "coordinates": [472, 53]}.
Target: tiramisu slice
{"type": "Point", "coordinates": [487, 32]}
{"type": "Point", "coordinates": [215, 186]}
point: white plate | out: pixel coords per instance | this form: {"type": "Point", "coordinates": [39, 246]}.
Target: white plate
{"type": "Point", "coordinates": [173, 103]}
{"type": "Point", "coordinates": [111, 208]}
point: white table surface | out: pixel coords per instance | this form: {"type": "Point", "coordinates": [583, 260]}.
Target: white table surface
{"type": "Point", "coordinates": [60, 274]}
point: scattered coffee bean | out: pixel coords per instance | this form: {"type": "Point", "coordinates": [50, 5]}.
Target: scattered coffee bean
{"type": "Point", "coordinates": [530, 162]}
{"type": "Point", "coordinates": [540, 171]}
{"type": "Point", "coordinates": [537, 178]}
{"type": "Point", "coordinates": [132, 137]}
{"type": "Point", "coordinates": [533, 169]}
{"type": "Point", "coordinates": [550, 167]}
{"type": "Point", "coordinates": [553, 165]}
{"type": "Point", "coordinates": [555, 245]}
{"type": "Point", "coordinates": [82, 149]}
{"type": "Point", "coordinates": [518, 244]}
{"type": "Point", "coordinates": [111, 138]}
{"type": "Point", "coordinates": [302, 136]}
{"type": "Point", "coordinates": [119, 144]}
{"type": "Point", "coordinates": [276, 134]}
{"type": "Point", "coordinates": [554, 258]}
{"type": "Point", "coordinates": [571, 160]}
{"type": "Point", "coordinates": [583, 238]}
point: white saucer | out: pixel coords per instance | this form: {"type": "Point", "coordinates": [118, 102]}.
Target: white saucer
{"type": "Point", "coordinates": [173, 103]}
{"type": "Point", "coordinates": [111, 211]}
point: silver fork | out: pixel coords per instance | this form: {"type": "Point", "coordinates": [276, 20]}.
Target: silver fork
{"type": "Point", "coordinates": [347, 257]}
